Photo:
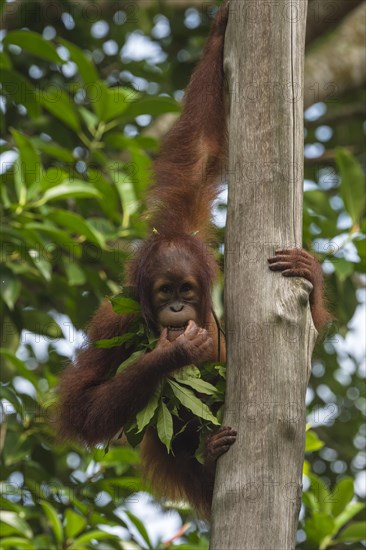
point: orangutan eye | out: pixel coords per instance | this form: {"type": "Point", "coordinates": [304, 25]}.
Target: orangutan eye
{"type": "Point", "coordinates": [165, 289]}
{"type": "Point", "coordinates": [186, 287]}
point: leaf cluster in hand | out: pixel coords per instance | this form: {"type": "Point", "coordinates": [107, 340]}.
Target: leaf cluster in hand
{"type": "Point", "coordinates": [200, 391]}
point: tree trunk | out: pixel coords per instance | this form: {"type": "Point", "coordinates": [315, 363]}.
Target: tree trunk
{"type": "Point", "coordinates": [270, 334]}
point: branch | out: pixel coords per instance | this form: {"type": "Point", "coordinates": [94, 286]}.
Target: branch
{"type": "Point", "coordinates": [161, 125]}
{"type": "Point", "coordinates": [327, 158]}
{"type": "Point", "coordinates": [339, 115]}
{"type": "Point", "coordinates": [324, 16]}
{"type": "Point", "coordinates": [338, 65]}
{"type": "Point", "coordinates": [19, 13]}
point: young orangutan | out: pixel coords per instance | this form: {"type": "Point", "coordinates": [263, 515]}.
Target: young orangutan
{"type": "Point", "coordinates": [172, 275]}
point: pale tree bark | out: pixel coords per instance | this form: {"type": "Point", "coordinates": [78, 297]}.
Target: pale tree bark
{"type": "Point", "coordinates": [270, 334]}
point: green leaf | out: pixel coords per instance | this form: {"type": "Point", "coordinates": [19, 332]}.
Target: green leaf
{"type": "Point", "coordinates": [43, 541]}
{"type": "Point", "coordinates": [318, 202]}
{"type": "Point", "coordinates": [121, 455]}
{"type": "Point", "coordinates": [109, 202]}
{"type": "Point", "coordinates": [16, 522]}
{"type": "Point", "coordinates": [76, 224]}
{"type": "Point", "coordinates": [54, 520]}
{"type": "Point", "coordinates": [319, 527]}
{"type": "Point", "coordinates": [115, 342]}
{"type": "Point", "coordinates": [61, 105]}
{"type": "Point", "coordinates": [35, 44]}
{"type": "Point", "coordinates": [75, 275]}
{"type": "Point", "coordinates": [53, 176]}
{"type": "Point", "coordinates": [89, 118]}
{"type": "Point", "coordinates": [10, 286]}
{"type": "Point", "coordinates": [321, 493]}
{"type": "Point", "coordinates": [21, 370]}
{"type": "Point", "coordinates": [360, 244]}
{"type": "Point", "coordinates": [152, 106]}
{"type": "Point", "coordinates": [343, 268]}
{"type": "Point", "coordinates": [351, 510]}
{"type": "Point", "coordinates": [140, 528]}
{"type": "Point", "coordinates": [313, 443]}
{"type": "Point", "coordinates": [41, 323]}
{"type": "Point", "coordinates": [16, 542]}
{"type": "Point", "coordinates": [127, 195]}
{"type": "Point", "coordinates": [220, 413]}
{"type": "Point", "coordinates": [18, 363]}
{"type": "Point", "coordinates": [352, 533]}
{"type": "Point", "coordinates": [19, 90]}
{"type": "Point", "coordinates": [19, 183]}
{"type": "Point", "coordinates": [133, 438]}
{"type": "Point", "coordinates": [187, 398]}
{"type": "Point", "coordinates": [190, 371]}
{"type": "Point", "coordinates": [200, 454]}
{"type": "Point", "coordinates": [132, 359]}
{"type": "Point", "coordinates": [74, 523]}
{"type": "Point", "coordinates": [100, 99]}
{"type": "Point", "coordinates": [44, 267]}
{"type": "Point", "coordinates": [54, 150]}
{"type": "Point", "coordinates": [352, 183]}
{"type": "Point", "coordinates": [164, 426]}
{"type": "Point", "coordinates": [75, 189]}
{"type": "Point", "coordinates": [197, 384]}
{"type": "Point", "coordinates": [123, 305]}
{"type": "Point", "coordinates": [57, 235]}
{"type": "Point", "coordinates": [308, 497]}
{"type": "Point", "coordinates": [115, 102]}
{"type": "Point", "coordinates": [343, 494]}
{"type": "Point", "coordinates": [116, 140]}
{"type": "Point", "coordinates": [144, 416]}
{"type": "Point", "coordinates": [5, 504]}
{"type": "Point", "coordinates": [110, 103]}
{"type": "Point", "coordinates": [30, 162]}
{"type": "Point", "coordinates": [5, 62]}
{"type": "Point", "coordinates": [128, 484]}
{"type": "Point", "coordinates": [94, 534]}
{"type": "Point", "coordinates": [85, 65]}
{"type": "Point", "coordinates": [221, 370]}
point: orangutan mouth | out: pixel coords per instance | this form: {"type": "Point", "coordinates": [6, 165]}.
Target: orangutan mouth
{"type": "Point", "coordinates": [182, 328]}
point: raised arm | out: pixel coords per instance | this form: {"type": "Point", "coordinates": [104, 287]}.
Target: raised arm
{"type": "Point", "coordinates": [192, 155]}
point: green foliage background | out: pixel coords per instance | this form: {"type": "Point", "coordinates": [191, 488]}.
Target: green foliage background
{"type": "Point", "coordinates": [77, 157]}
